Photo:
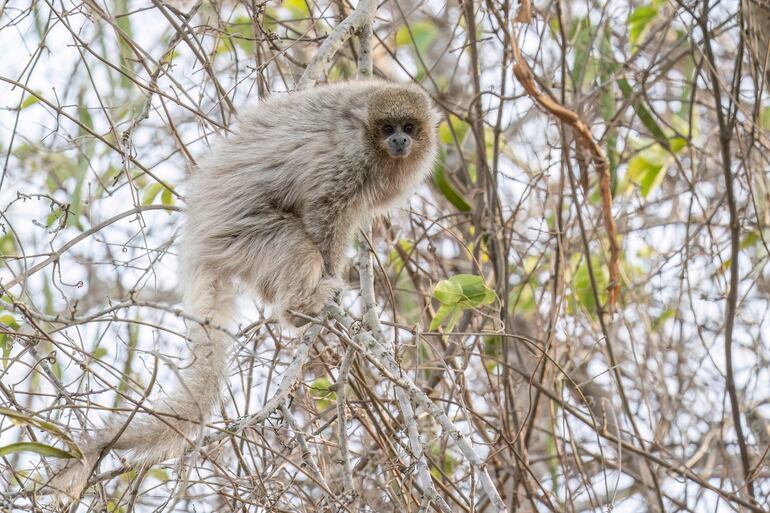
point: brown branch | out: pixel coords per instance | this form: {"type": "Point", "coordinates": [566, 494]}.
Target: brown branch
{"type": "Point", "coordinates": [526, 78]}
{"type": "Point", "coordinates": [726, 125]}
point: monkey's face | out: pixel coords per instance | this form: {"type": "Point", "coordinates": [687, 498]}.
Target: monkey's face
{"type": "Point", "coordinates": [396, 136]}
{"type": "Point", "coordinates": [400, 124]}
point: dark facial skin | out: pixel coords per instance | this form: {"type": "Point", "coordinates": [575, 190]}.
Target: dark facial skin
{"type": "Point", "coordinates": [397, 136]}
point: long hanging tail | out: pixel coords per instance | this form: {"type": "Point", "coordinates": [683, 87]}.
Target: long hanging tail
{"type": "Point", "coordinates": [178, 417]}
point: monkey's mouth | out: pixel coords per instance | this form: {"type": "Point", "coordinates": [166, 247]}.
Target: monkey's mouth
{"type": "Point", "coordinates": [400, 153]}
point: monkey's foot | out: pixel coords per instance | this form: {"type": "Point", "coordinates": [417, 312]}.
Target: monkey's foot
{"type": "Point", "coordinates": [329, 290]}
{"type": "Point", "coordinates": [298, 321]}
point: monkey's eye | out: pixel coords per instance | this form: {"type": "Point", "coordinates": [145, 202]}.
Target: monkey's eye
{"type": "Point", "coordinates": [387, 129]}
{"type": "Point", "coordinates": [409, 128]}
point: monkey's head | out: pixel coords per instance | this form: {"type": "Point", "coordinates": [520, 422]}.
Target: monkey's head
{"type": "Point", "coordinates": [400, 121]}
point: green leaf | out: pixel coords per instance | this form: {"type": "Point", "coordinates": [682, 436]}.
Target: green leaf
{"type": "Point", "coordinates": [607, 103]}
{"type": "Point", "coordinates": [677, 144]}
{"type": "Point", "coordinates": [448, 463]}
{"type": "Point", "coordinates": [320, 386]}
{"type": "Point", "coordinates": [99, 352]}
{"type": "Point", "coordinates": [151, 192]}
{"type": "Point", "coordinates": [166, 198]}
{"type": "Point", "coordinates": [645, 173]}
{"type": "Point", "coordinates": [474, 289]}
{"type": "Point", "coordinates": [581, 48]}
{"type": "Point", "coordinates": [241, 30]}
{"type": "Point", "coordinates": [159, 474]}
{"type": "Point", "coordinates": [29, 101]}
{"type": "Point", "coordinates": [581, 284]}
{"type": "Point", "coordinates": [459, 293]}
{"type": "Point", "coordinates": [297, 8]}
{"type": "Point", "coordinates": [5, 347]}
{"type": "Point", "coordinates": [450, 193]}
{"type": "Point", "coordinates": [6, 342]}
{"type": "Point", "coordinates": [446, 311]}
{"type": "Point", "coordinates": [553, 25]}
{"type": "Point", "coordinates": [394, 257]}
{"type": "Point", "coordinates": [493, 346]}
{"type": "Point", "coordinates": [21, 418]}
{"type": "Point", "coordinates": [10, 321]}
{"type": "Point", "coordinates": [690, 72]}
{"type": "Point", "coordinates": [7, 244]}
{"type": "Point", "coordinates": [749, 240]}
{"type": "Point", "coordinates": [128, 476]}
{"type": "Point", "coordinates": [124, 38]}
{"type": "Point", "coordinates": [638, 21]}
{"type": "Point", "coordinates": [645, 116]}
{"type": "Point", "coordinates": [682, 125]}
{"type": "Point", "coordinates": [319, 389]}
{"type": "Point", "coordinates": [448, 292]}
{"type": "Point", "coordinates": [269, 21]}
{"type": "Point", "coordinates": [114, 506]}
{"type": "Point", "coordinates": [764, 118]}
{"type": "Point", "coordinates": [647, 168]}
{"type": "Point", "coordinates": [453, 124]}
{"type": "Point", "coordinates": [651, 180]}
{"type": "Point", "coordinates": [420, 33]}
{"type": "Point", "coordinates": [660, 321]}
{"type": "Point", "coordinates": [42, 449]}
{"type": "Point", "coordinates": [522, 298]}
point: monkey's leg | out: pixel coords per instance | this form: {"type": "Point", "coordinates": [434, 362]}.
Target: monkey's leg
{"type": "Point", "coordinates": [292, 273]}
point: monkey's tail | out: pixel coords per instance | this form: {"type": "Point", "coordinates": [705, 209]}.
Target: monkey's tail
{"type": "Point", "coordinates": [178, 417]}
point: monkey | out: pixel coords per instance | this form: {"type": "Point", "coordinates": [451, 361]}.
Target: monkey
{"type": "Point", "coordinates": [271, 210]}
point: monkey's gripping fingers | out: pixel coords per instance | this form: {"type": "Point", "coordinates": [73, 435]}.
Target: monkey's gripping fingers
{"type": "Point", "coordinates": [331, 288]}
{"type": "Point", "coordinates": [328, 289]}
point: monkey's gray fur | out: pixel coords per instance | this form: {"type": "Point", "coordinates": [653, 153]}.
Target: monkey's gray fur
{"type": "Point", "coordinates": [273, 208]}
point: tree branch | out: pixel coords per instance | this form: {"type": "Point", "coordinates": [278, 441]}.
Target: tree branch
{"type": "Point", "coordinates": [358, 22]}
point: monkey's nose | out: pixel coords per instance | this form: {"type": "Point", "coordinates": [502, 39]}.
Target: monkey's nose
{"type": "Point", "coordinates": [398, 144]}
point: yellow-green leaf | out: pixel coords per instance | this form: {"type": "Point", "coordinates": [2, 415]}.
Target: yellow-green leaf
{"type": "Point", "coordinates": [450, 193]}
{"type": "Point", "coordinates": [638, 21]}
{"type": "Point", "coordinates": [297, 8]}
{"type": "Point", "coordinates": [460, 292]}
{"type": "Point", "coordinates": [36, 447]}
{"type": "Point", "coordinates": [151, 192]}
{"type": "Point", "coordinates": [28, 101]}
{"type": "Point", "coordinates": [423, 33]}
{"type": "Point", "coordinates": [166, 197]}
{"type": "Point", "coordinates": [446, 311]}
{"type": "Point", "coordinates": [448, 292]}
{"type": "Point", "coordinates": [474, 289]}
{"type": "Point", "coordinates": [581, 284]}
{"type": "Point", "coordinates": [21, 418]}
{"type": "Point", "coordinates": [453, 124]}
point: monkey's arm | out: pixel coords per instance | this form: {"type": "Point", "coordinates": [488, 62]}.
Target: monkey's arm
{"type": "Point", "coordinates": [331, 226]}
{"type": "Point", "coordinates": [281, 261]}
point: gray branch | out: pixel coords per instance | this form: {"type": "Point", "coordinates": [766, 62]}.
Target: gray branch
{"type": "Point", "coordinates": [358, 22]}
